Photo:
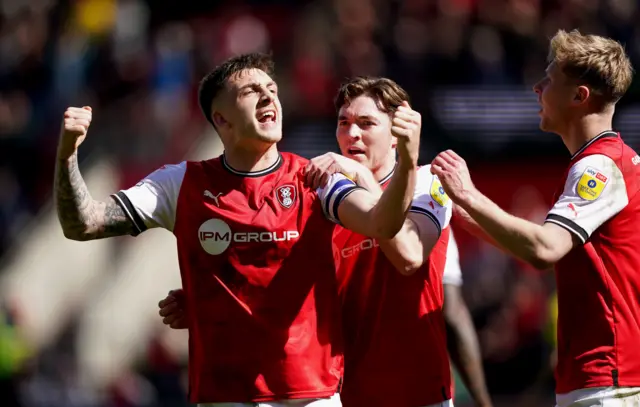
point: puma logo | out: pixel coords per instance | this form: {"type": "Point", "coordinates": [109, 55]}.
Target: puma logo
{"type": "Point", "coordinates": [208, 194]}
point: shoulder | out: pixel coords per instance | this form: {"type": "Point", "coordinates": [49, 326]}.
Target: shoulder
{"type": "Point", "coordinates": [293, 159]}
{"type": "Point", "coordinates": [168, 172]}
{"type": "Point", "coordinates": [428, 186]}
{"type": "Point", "coordinates": [599, 160]}
{"type": "Point", "coordinates": [210, 163]}
{"type": "Point", "coordinates": [205, 166]}
{"type": "Point", "coordinates": [424, 173]}
{"type": "Point", "coordinates": [591, 174]}
{"type": "Point", "coordinates": [293, 166]}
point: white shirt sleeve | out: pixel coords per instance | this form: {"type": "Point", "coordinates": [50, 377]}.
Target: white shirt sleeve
{"type": "Point", "coordinates": [152, 202]}
{"type": "Point", "coordinates": [594, 192]}
{"type": "Point", "coordinates": [429, 199]}
{"type": "Point", "coordinates": [452, 272]}
{"type": "Point", "coordinates": [336, 190]}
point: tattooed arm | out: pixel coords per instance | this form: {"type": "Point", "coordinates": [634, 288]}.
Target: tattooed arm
{"type": "Point", "coordinates": [82, 217]}
{"type": "Point", "coordinates": [150, 203]}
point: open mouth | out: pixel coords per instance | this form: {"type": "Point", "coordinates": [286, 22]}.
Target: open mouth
{"type": "Point", "coordinates": [355, 151]}
{"type": "Point", "coordinates": [266, 116]}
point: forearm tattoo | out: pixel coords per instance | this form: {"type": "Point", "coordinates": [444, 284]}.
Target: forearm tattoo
{"type": "Point", "coordinates": [81, 217]}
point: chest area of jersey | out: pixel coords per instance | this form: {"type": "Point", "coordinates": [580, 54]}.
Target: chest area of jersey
{"type": "Point", "coordinates": [255, 216]}
{"type": "Point", "coordinates": [352, 247]}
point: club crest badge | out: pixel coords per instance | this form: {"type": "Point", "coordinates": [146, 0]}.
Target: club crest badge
{"type": "Point", "coordinates": [286, 195]}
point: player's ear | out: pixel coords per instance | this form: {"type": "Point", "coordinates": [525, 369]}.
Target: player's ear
{"type": "Point", "coordinates": [219, 120]}
{"type": "Point", "coordinates": [582, 94]}
{"type": "Point", "coordinates": [394, 142]}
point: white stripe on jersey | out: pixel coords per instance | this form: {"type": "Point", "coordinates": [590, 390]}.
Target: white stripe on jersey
{"type": "Point", "coordinates": [336, 190]}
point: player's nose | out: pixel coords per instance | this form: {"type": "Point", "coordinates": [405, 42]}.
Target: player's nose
{"type": "Point", "coordinates": [354, 132]}
{"type": "Point", "coordinates": [537, 88]}
{"type": "Point", "coordinates": [266, 97]}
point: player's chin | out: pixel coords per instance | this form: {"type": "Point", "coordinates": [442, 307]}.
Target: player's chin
{"type": "Point", "coordinates": [544, 124]}
{"type": "Point", "coordinates": [269, 133]}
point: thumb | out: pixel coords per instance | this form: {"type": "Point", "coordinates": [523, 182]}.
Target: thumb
{"type": "Point", "coordinates": [87, 108]}
{"type": "Point", "coordinates": [406, 104]}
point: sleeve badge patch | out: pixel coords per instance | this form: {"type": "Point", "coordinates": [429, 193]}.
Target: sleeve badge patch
{"type": "Point", "coordinates": [591, 184]}
{"type": "Point", "coordinates": [437, 192]}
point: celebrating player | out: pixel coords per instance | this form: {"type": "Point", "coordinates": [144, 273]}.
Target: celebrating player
{"type": "Point", "coordinates": [395, 346]}
{"type": "Point", "coordinates": [265, 323]}
{"type": "Point", "coordinates": [591, 233]}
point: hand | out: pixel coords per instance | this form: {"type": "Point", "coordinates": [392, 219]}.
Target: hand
{"type": "Point", "coordinates": [453, 173]}
{"type": "Point", "coordinates": [74, 130]}
{"type": "Point", "coordinates": [172, 309]}
{"type": "Point", "coordinates": [320, 168]}
{"type": "Point", "coordinates": [405, 126]}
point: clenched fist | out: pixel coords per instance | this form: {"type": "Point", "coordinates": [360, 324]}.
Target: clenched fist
{"type": "Point", "coordinates": [74, 130]}
{"type": "Point", "coordinates": [454, 175]}
{"type": "Point", "coordinates": [405, 126]}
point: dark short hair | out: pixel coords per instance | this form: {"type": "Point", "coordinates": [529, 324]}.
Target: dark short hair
{"type": "Point", "coordinates": [214, 81]}
{"type": "Point", "coordinates": [387, 94]}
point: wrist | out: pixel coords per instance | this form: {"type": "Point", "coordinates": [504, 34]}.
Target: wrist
{"type": "Point", "coordinates": [469, 199]}
{"type": "Point", "coordinates": [407, 164]}
{"type": "Point", "coordinates": [65, 156]}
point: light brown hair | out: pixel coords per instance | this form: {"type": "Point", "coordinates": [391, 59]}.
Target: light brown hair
{"type": "Point", "coordinates": [597, 62]}
{"type": "Point", "coordinates": [387, 94]}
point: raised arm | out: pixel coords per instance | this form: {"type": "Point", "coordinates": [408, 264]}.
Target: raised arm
{"type": "Point", "coordinates": [81, 216]}
{"type": "Point", "coordinates": [362, 211]}
{"type": "Point", "coordinates": [464, 220]}
{"type": "Point", "coordinates": [594, 192]}
{"type": "Point", "coordinates": [429, 215]}
{"type": "Point", "coordinates": [429, 212]}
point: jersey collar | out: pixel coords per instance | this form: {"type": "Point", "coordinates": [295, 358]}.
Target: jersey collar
{"type": "Point", "coordinates": [387, 177]}
{"type": "Point", "coordinates": [606, 133]}
{"type": "Point", "coordinates": [272, 168]}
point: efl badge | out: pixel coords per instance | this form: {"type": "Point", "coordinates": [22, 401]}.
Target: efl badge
{"type": "Point", "coordinates": [591, 184]}
{"type": "Point", "coordinates": [286, 195]}
{"type": "Point", "coordinates": [437, 192]}
{"type": "Point", "coordinates": [350, 176]}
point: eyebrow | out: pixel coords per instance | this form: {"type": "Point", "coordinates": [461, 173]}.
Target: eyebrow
{"type": "Point", "coordinates": [254, 84]}
{"type": "Point", "coordinates": [360, 117]}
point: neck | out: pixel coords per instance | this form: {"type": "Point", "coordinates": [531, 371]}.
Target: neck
{"type": "Point", "coordinates": [586, 128]}
{"type": "Point", "coordinates": [384, 170]}
{"type": "Point", "coordinates": [251, 160]}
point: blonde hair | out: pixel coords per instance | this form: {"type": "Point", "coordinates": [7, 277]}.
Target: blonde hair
{"type": "Point", "coordinates": [598, 62]}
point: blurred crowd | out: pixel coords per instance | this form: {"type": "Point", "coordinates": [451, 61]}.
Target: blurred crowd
{"type": "Point", "coordinates": [468, 65]}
